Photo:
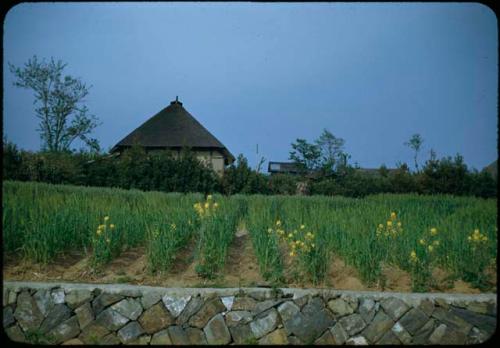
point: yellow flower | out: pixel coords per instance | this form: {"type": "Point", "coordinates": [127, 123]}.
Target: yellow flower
{"type": "Point", "coordinates": [207, 205]}
{"type": "Point", "coordinates": [107, 240]}
{"type": "Point", "coordinates": [475, 237]}
{"type": "Point", "coordinates": [312, 245]}
{"type": "Point", "coordinates": [302, 227]}
{"type": "Point", "coordinates": [393, 215]}
{"type": "Point", "coordinates": [269, 230]}
{"type": "Point", "coordinates": [209, 197]}
{"type": "Point", "coordinates": [290, 235]}
{"type": "Point", "coordinates": [422, 241]}
{"type": "Point", "coordinates": [173, 226]}
{"type": "Point", "coordinates": [106, 218]}
{"type": "Point", "coordinates": [112, 226]}
{"type": "Point", "coordinates": [278, 223]}
{"type": "Point", "coordinates": [485, 238]}
{"type": "Point", "coordinates": [389, 223]}
{"type": "Point", "coordinates": [101, 227]}
{"type": "Point", "coordinates": [99, 232]}
{"type": "Point", "coordinates": [430, 248]}
{"type": "Point", "coordinates": [292, 254]}
{"type": "Point", "coordinates": [413, 254]}
{"type": "Point", "coordinates": [399, 224]}
{"type": "Point", "coordinates": [476, 231]}
{"type": "Point", "coordinates": [436, 242]}
{"type": "Point", "coordinates": [216, 205]}
{"type": "Point", "coordinates": [469, 238]}
{"type": "Point", "coordinates": [380, 226]}
{"type": "Point", "coordinates": [196, 205]}
{"type": "Point", "coordinates": [433, 231]}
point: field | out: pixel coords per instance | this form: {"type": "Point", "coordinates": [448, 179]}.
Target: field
{"type": "Point", "coordinates": [384, 242]}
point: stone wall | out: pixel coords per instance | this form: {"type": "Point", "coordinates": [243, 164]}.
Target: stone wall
{"type": "Point", "coordinates": [65, 313]}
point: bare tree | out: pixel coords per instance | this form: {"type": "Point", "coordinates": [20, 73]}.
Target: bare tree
{"type": "Point", "coordinates": [58, 104]}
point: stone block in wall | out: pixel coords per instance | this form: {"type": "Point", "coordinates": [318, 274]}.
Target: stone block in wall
{"type": "Point", "coordinates": [175, 304]}
{"type": "Point", "coordinates": [161, 338]}
{"type": "Point", "coordinates": [76, 297]}
{"type": "Point", "coordinates": [207, 311]}
{"type": "Point", "coordinates": [58, 295]}
{"type": "Point", "coordinates": [155, 318]}
{"type": "Point", "coordinates": [325, 339]}
{"type": "Point", "coordinates": [487, 308]}
{"type": "Point", "coordinates": [111, 319]}
{"type": "Point", "coordinates": [59, 313]}
{"type": "Point", "coordinates": [477, 336]}
{"type": "Point", "coordinates": [150, 298]}
{"type": "Point", "coordinates": [178, 335]}
{"type": "Point", "coordinates": [426, 306]}
{"type": "Point", "coordinates": [452, 320]}
{"type": "Point", "coordinates": [244, 303]}
{"type": "Point", "coordinates": [339, 334]}
{"type": "Point", "coordinates": [27, 313]}
{"type": "Point", "coordinates": [394, 307]}
{"type": "Point", "coordinates": [340, 308]}
{"type": "Point", "coordinates": [241, 334]}
{"type": "Point", "coordinates": [357, 341]}
{"type": "Point", "coordinates": [389, 338]}
{"type": "Point", "coordinates": [367, 309]}
{"type": "Point", "coordinates": [277, 337]}
{"type": "Point", "coordinates": [401, 333]}
{"type": "Point", "coordinates": [193, 306]}
{"type": "Point", "coordinates": [265, 323]}
{"type": "Point", "coordinates": [216, 331]}
{"type": "Point", "coordinates": [44, 301]}
{"type": "Point", "coordinates": [64, 331]}
{"type": "Point", "coordinates": [195, 336]}
{"type": "Point", "coordinates": [15, 333]}
{"type": "Point", "coordinates": [104, 300]}
{"type": "Point", "coordinates": [85, 315]}
{"type": "Point", "coordinates": [93, 332]}
{"type": "Point", "coordinates": [234, 318]}
{"type": "Point", "coordinates": [129, 308]}
{"type": "Point", "coordinates": [422, 335]}
{"type": "Point", "coordinates": [11, 301]}
{"type": "Point", "coordinates": [352, 324]}
{"type": "Point", "coordinates": [130, 332]}
{"type": "Point", "coordinates": [8, 317]}
{"type": "Point", "coordinates": [483, 322]}
{"type": "Point", "coordinates": [413, 320]}
{"type": "Point", "coordinates": [72, 342]}
{"type": "Point", "coordinates": [110, 339]}
{"type": "Point", "coordinates": [380, 324]}
{"type": "Point", "coordinates": [265, 305]}
{"type": "Point", "coordinates": [288, 310]}
{"type": "Point", "coordinates": [309, 324]}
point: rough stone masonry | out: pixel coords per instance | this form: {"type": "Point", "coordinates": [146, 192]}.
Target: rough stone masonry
{"type": "Point", "coordinates": [67, 313]}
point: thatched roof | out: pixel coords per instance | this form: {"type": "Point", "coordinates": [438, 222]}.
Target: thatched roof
{"type": "Point", "coordinates": [173, 128]}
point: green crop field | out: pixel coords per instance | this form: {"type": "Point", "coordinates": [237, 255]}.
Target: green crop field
{"type": "Point", "coordinates": [296, 234]}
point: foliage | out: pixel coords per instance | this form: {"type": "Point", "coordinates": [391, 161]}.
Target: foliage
{"type": "Point", "coordinates": [42, 221]}
{"type": "Point", "coordinates": [59, 104]}
{"type": "Point", "coordinates": [333, 156]}
{"type": "Point", "coordinates": [415, 143]}
{"type": "Point", "coordinates": [283, 184]}
{"type": "Point", "coordinates": [240, 178]}
{"type": "Point", "coordinates": [306, 156]}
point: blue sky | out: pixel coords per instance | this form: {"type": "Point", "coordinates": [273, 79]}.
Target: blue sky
{"type": "Point", "coordinates": [268, 73]}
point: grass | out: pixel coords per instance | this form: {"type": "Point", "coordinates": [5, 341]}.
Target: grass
{"type": "Point", "coordinates": [42, 221]}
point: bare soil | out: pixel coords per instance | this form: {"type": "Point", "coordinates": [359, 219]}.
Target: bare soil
{"type": "Point", "coordinates": [241, 270]}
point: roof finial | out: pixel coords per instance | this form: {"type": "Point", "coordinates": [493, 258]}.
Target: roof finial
{"type": "Point", "coordinates": [176, 99]}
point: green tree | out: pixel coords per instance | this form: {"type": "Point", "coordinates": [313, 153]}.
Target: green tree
{"type": "Point", "coordinates": [415, 143]}
{"type": "Point", "coordinates": [59, 104]}
{"type": "Point", "coordinates": [306, 156]}
{"type": "Point", "coordinates": [332, 151]}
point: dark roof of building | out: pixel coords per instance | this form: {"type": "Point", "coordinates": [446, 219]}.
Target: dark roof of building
{"type": "Point", "coordinates": [173, 127]}
{"type": "Point", "coordinates": [375, 171]}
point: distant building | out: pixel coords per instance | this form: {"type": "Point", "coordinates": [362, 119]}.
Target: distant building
{"type": "Point", "coordinates": [283, 168]}
{"type": "Point", "coordinates": [174, 128]}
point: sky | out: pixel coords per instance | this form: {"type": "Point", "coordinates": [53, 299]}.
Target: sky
{"type": "Point", "coordinates": [269, 73]}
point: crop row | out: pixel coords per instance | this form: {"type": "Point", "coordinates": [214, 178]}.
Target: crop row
{"type": "Point", "coordinates": [292, 236]}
